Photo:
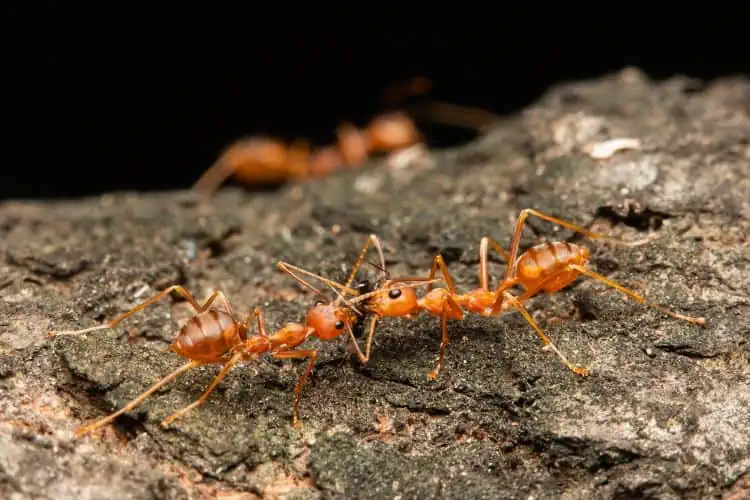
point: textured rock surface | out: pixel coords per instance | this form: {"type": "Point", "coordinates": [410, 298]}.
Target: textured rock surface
{"type": "Point", "coordinates": [664, 414]}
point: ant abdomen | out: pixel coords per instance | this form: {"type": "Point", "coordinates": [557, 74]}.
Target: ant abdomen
{"type": "Point", "coordinates": [540, 262]}
{"type": "Point", "coordinates": [207, 336]}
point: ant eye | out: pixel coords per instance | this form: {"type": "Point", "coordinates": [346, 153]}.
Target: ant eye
{"type": "Point", "coordinates": [394, 294]}
{"type": "Point", "coordinates": [339, 325]}
{"type": "Point", "coordinates": [319, 302]}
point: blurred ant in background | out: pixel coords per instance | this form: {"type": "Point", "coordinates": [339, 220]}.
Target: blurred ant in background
{"type": "Point", "coordinates": [262, 160]}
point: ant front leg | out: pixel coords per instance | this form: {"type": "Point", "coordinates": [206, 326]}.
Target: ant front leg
{"type": "Point", "coordinates": [156, 298]}
{"type": "Point", "coordinates": [311, 355]}
{"type": "Point", "coordinates": [364, 358]}
{"type": "Point", "coordinates": [224, 167]}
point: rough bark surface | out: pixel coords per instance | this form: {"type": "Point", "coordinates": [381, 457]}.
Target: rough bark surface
{"type": "Point", "coordinates": [663, 415]}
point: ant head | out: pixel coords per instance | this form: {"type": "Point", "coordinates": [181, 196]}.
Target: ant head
{"type": "Point", "coordinates": [392, 131]}
{"type": "Point", "coordinates": [396, 302]}
{"type": "Point", "coordinates": [329, 321]}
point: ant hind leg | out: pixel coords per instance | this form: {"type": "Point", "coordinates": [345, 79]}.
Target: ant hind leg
{"type": "Point", "coordinates": [635, 296]}
{"type": "Point", "coordinates": [202, 399]}
{"type": "Point", "coordinates": [135, 402]}
{"type": "Point", "coordinates": [179, 290]}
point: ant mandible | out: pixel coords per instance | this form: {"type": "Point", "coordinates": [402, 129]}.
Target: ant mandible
{"type": "Point", "coordinates": [214, 336]}
{"type": "Point", "coordinates": [547, 267]}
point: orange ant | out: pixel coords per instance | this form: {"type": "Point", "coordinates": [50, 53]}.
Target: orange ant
{"type": "Point", "coordinates": [263, 160]}
{"type": "Point", "coordinates": [214, 336]}
{"type": "Point", "coordinates": [547, 267]}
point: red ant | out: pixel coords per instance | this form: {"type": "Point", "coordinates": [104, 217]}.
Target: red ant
{"type": "Point", "coordinates": [214, 336]}
{"type": "Point", "coordinates": [547, 267]}
{"type": "Point", "coordinates": [263, 160]}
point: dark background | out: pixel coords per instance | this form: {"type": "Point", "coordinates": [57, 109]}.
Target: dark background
{"type": "Point", "coordinates": [113, 98]}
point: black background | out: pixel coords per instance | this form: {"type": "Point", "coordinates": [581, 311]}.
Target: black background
{"type": "Point", "coordinates": [121, 96]}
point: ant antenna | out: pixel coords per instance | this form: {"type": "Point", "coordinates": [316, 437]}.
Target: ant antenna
{"type": "Point", "coordinates": [286, 268]}
{"type": "Point", "coordinates": [386, 273]}
{"type": "Point", "coordinates": [341, 298]}
{"type": "Point", "coordinates": [317, 292]}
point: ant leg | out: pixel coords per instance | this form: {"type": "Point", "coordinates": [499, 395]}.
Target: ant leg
{"type": "Point", "coordinates": [484, 275]}
{"type": "Point", "coordinates": [635, 296]}
{"type": "Point", "coordinates": [461, 116]}
{"type": "Point", "coordinates": [159, 296]}
{"type": "Point", "coordinates": [586, 232]}
{"type": "Point", "coordinates": [374, 241]}
{"type": "Point", "coordinates": [364, 358]}
{"type": "Point", "coordinates": [515, 242]}
{"type": "Point", "coordinates": [258, 313]}
{"type": "Point", "coordinates": [448, 303]}
{"type": "Point", "coordinates": [311, 355]}
{"type": "Point", "coordinates": [135, 402]}
{"type": "Point", "coordinates": [291, 269]}
{"type": "Point", "coordinates": [219, 302]}
{"type": "Point", "coordinates": [439, 263]}
{"type": "Point", "coordinates": [224, 370]}
{"type": "Point", "coordinates": [218, 172]}
{"type": "Point", "coordinates": [578, 370]}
